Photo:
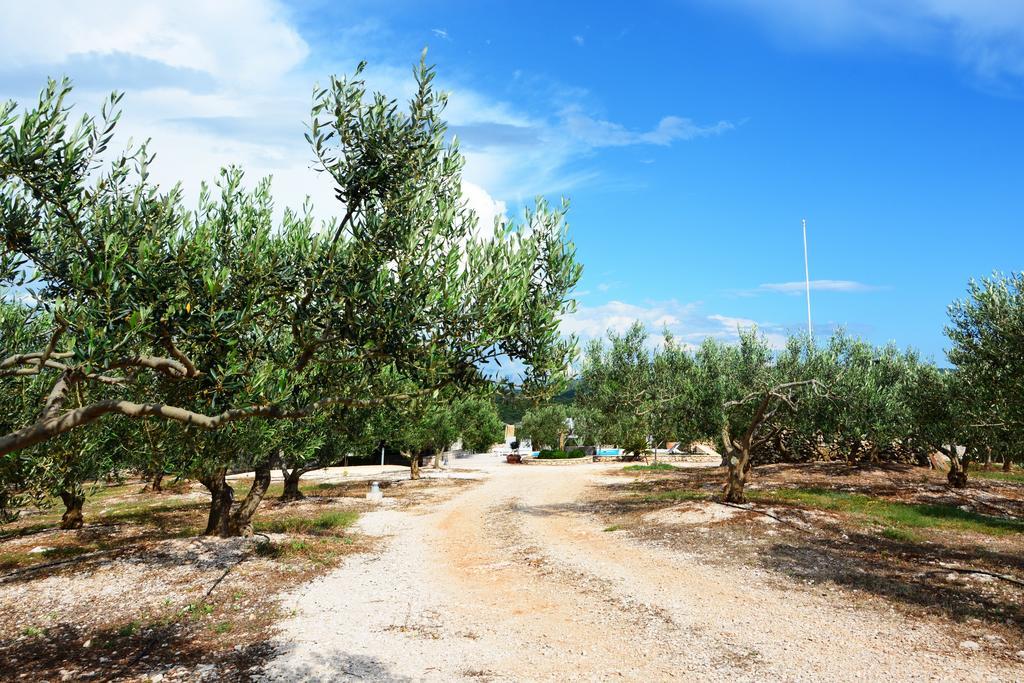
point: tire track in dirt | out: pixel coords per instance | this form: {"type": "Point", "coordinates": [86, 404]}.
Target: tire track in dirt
{"type": "Point", "coordinates": [704, 621]}
{"type": "Point", "coordinates": [514, 580]}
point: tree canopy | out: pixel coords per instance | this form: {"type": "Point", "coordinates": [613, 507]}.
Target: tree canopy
{"type": "Point", "coordinates": [120, 293]}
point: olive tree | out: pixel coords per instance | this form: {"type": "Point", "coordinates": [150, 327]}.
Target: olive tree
{"type": "Point", "coordinates": [641, 395]}
{"type": "Point", "coordinates": [986, 329]}
{"type": "Point", "coordinates": [478, 423]}
{"type": "Point", "coordinates": [236, 318]}
{"type": "Point", "coordinates": [617, 382]}
{"type": "Point", "coordinates": [749, 392]}
{"type": "Point", "coordinates": [868, 412]}
{"type": "Point", "coordinates": [545, 425]}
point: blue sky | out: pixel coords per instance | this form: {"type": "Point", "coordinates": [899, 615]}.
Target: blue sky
{"type": "Point", "coordinates": [692, 137]}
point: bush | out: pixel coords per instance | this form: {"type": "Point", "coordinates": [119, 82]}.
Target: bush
{"type": "Point", "coordinates": [560, 455]}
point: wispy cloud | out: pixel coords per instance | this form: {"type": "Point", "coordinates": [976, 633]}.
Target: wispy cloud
{"type": "Point", "coordinates": [578, 39]}
{"type": "Point", "coordinates": [799, 287]}
{"type": "Point", "coordinates": [984, 36]}
{"type": "Point", "coordinates": [600, 133]}
{"type": "Point", "coordinates": [440, 33]}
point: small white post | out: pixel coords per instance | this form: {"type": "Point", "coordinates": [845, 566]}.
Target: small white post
{"type": "Point", "coordinates": [807, 279]}
{"type": "Point", "coordinates": [381, 458]}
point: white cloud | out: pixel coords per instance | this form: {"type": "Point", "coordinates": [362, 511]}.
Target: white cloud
{"type": "Point", "coordinates": [685, 321]}
{"type": "Point", "coordinates": [250, 107]}
{"type": "Point", "coordinates": [223, 83]}
{"type": "Point", "coordinates": [578, 39]}
{"type": "Point", "coordinates": [246, 40]}
{"type": "Point", "coordinates": [985, 36]}
{"type": "Point", "coordinates": [599, 133]}
{"type": "Point", "coordinates": [440, 33]}
{"type": "Point", "coordinates": [486, 207]}
{"type": "Point", "coordinates": [729, 328]}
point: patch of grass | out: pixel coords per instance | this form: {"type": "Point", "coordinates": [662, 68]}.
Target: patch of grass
{"type": "Point", "coordinates": [1016, 476]}
{"type": "Point", "coordinates": [198, 609]}
{"type": "Point", "coordinates": [32, 632]}
{"type": "Point", "coordinates": [674, 495]}
{"type": "Point", "coordinates": [613, 527]}
{"type": "Point", "coordinates": [128, 629]}
{"type": "Point", "coordinates": [242, 486]}
{"type": "Point", "coordinates": [654, 467]}
{"type": "Point", "coordinates": [316, 549]}
{"type": "Point", "coordinates": [95, 494]}
{"type": "Point", "coordinates": [326, 521]}
{"type": "Point", "coordinates": [148, 513]}
{"type": "Point", "coordinates": [16, 560]}
{"type": "Point", "coordinates": [42, 523]}
{"type": "Point", "coordinates": [68, 551]}
{"type": "Point", "coordinates": [222, 627]}
{"type": "Point", "coordinates": [893, 514]}
{"type": "Point", "coordinates": [897, 534]}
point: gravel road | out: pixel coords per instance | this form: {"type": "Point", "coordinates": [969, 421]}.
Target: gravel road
{"type": "Point", "coordinates": [512, 581]}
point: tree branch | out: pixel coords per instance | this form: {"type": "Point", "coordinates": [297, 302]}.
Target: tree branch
{"type": "Point", "coordinates": [50, 426]}
{"type": "Point", "coordinates": [172, 368]}
{"type": "Point", "coordinates": [190, 369]}
{"type": "Point", "coordinates": [31, 358]}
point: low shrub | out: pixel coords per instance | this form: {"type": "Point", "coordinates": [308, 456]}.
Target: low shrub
{"type": "Point", "coordinates": [654, 467]}
{"type": "Point", "coordinates": [559, 455]}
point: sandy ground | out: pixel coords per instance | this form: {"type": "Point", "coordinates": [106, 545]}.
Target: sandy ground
{"type": "Point", "coordinates": [512, 581]}
{"type": "Point", "coordinates": [340, 475]}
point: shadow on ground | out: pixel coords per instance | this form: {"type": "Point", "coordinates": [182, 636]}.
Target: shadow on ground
{"type": "Point", "coordinates": [117, 654]}
{"type": "Point", "coordinates": [326, 666]}
{"type": "Point", "coordinates": [912, 573]}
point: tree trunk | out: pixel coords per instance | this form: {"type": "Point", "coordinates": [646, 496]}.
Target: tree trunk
{"type": "Point", "coordinates": [414, 465]}
{"type": "Point", "coordinates": [154, 483]}
{"type": "Point", "coordinates": [240, 521]}
{"type": "Point", "coordinates": [1006, 463]}
{"type": "Point", "coordinates": [738, 461]}
{"type": "Point", "coordinates": [957, 478]}
{"type": "Point", "coordinates": [437, 460]}
{"type": "Point", "coordinates": [222, 496]}
{"type": "Point", "coordinates": [782, 448]}
{"type": "Point", "coordinates": [852, 457]}
{"type": "Point", "coordinates": [291, 484]}
{"type": "Point", "coordinates": [988, 458]}
{"type": "Point", "coordinates": [73, 500]}
{"type": "Point", "coordinates": [957, 475]}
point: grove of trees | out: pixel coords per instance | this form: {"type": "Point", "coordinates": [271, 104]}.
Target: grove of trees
{"type": "Point", "coordinates": [141, 332]}
{"type": "Point", "coordinates": [840, 398]}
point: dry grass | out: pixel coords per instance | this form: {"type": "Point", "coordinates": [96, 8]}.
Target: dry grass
{"type": "Point", "coordinates": [892, 534]}
{"type": "Point", "coordinates": [135, 592]}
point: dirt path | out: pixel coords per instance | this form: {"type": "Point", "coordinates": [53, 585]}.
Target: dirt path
{"type": "Point", "coordinates": [512, 581]}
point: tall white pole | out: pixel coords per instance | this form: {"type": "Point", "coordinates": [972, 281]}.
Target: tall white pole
{"type": "Point", "coordinates": [807, 279]}
{"type": "Point", "coordinates": [381, 458]}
